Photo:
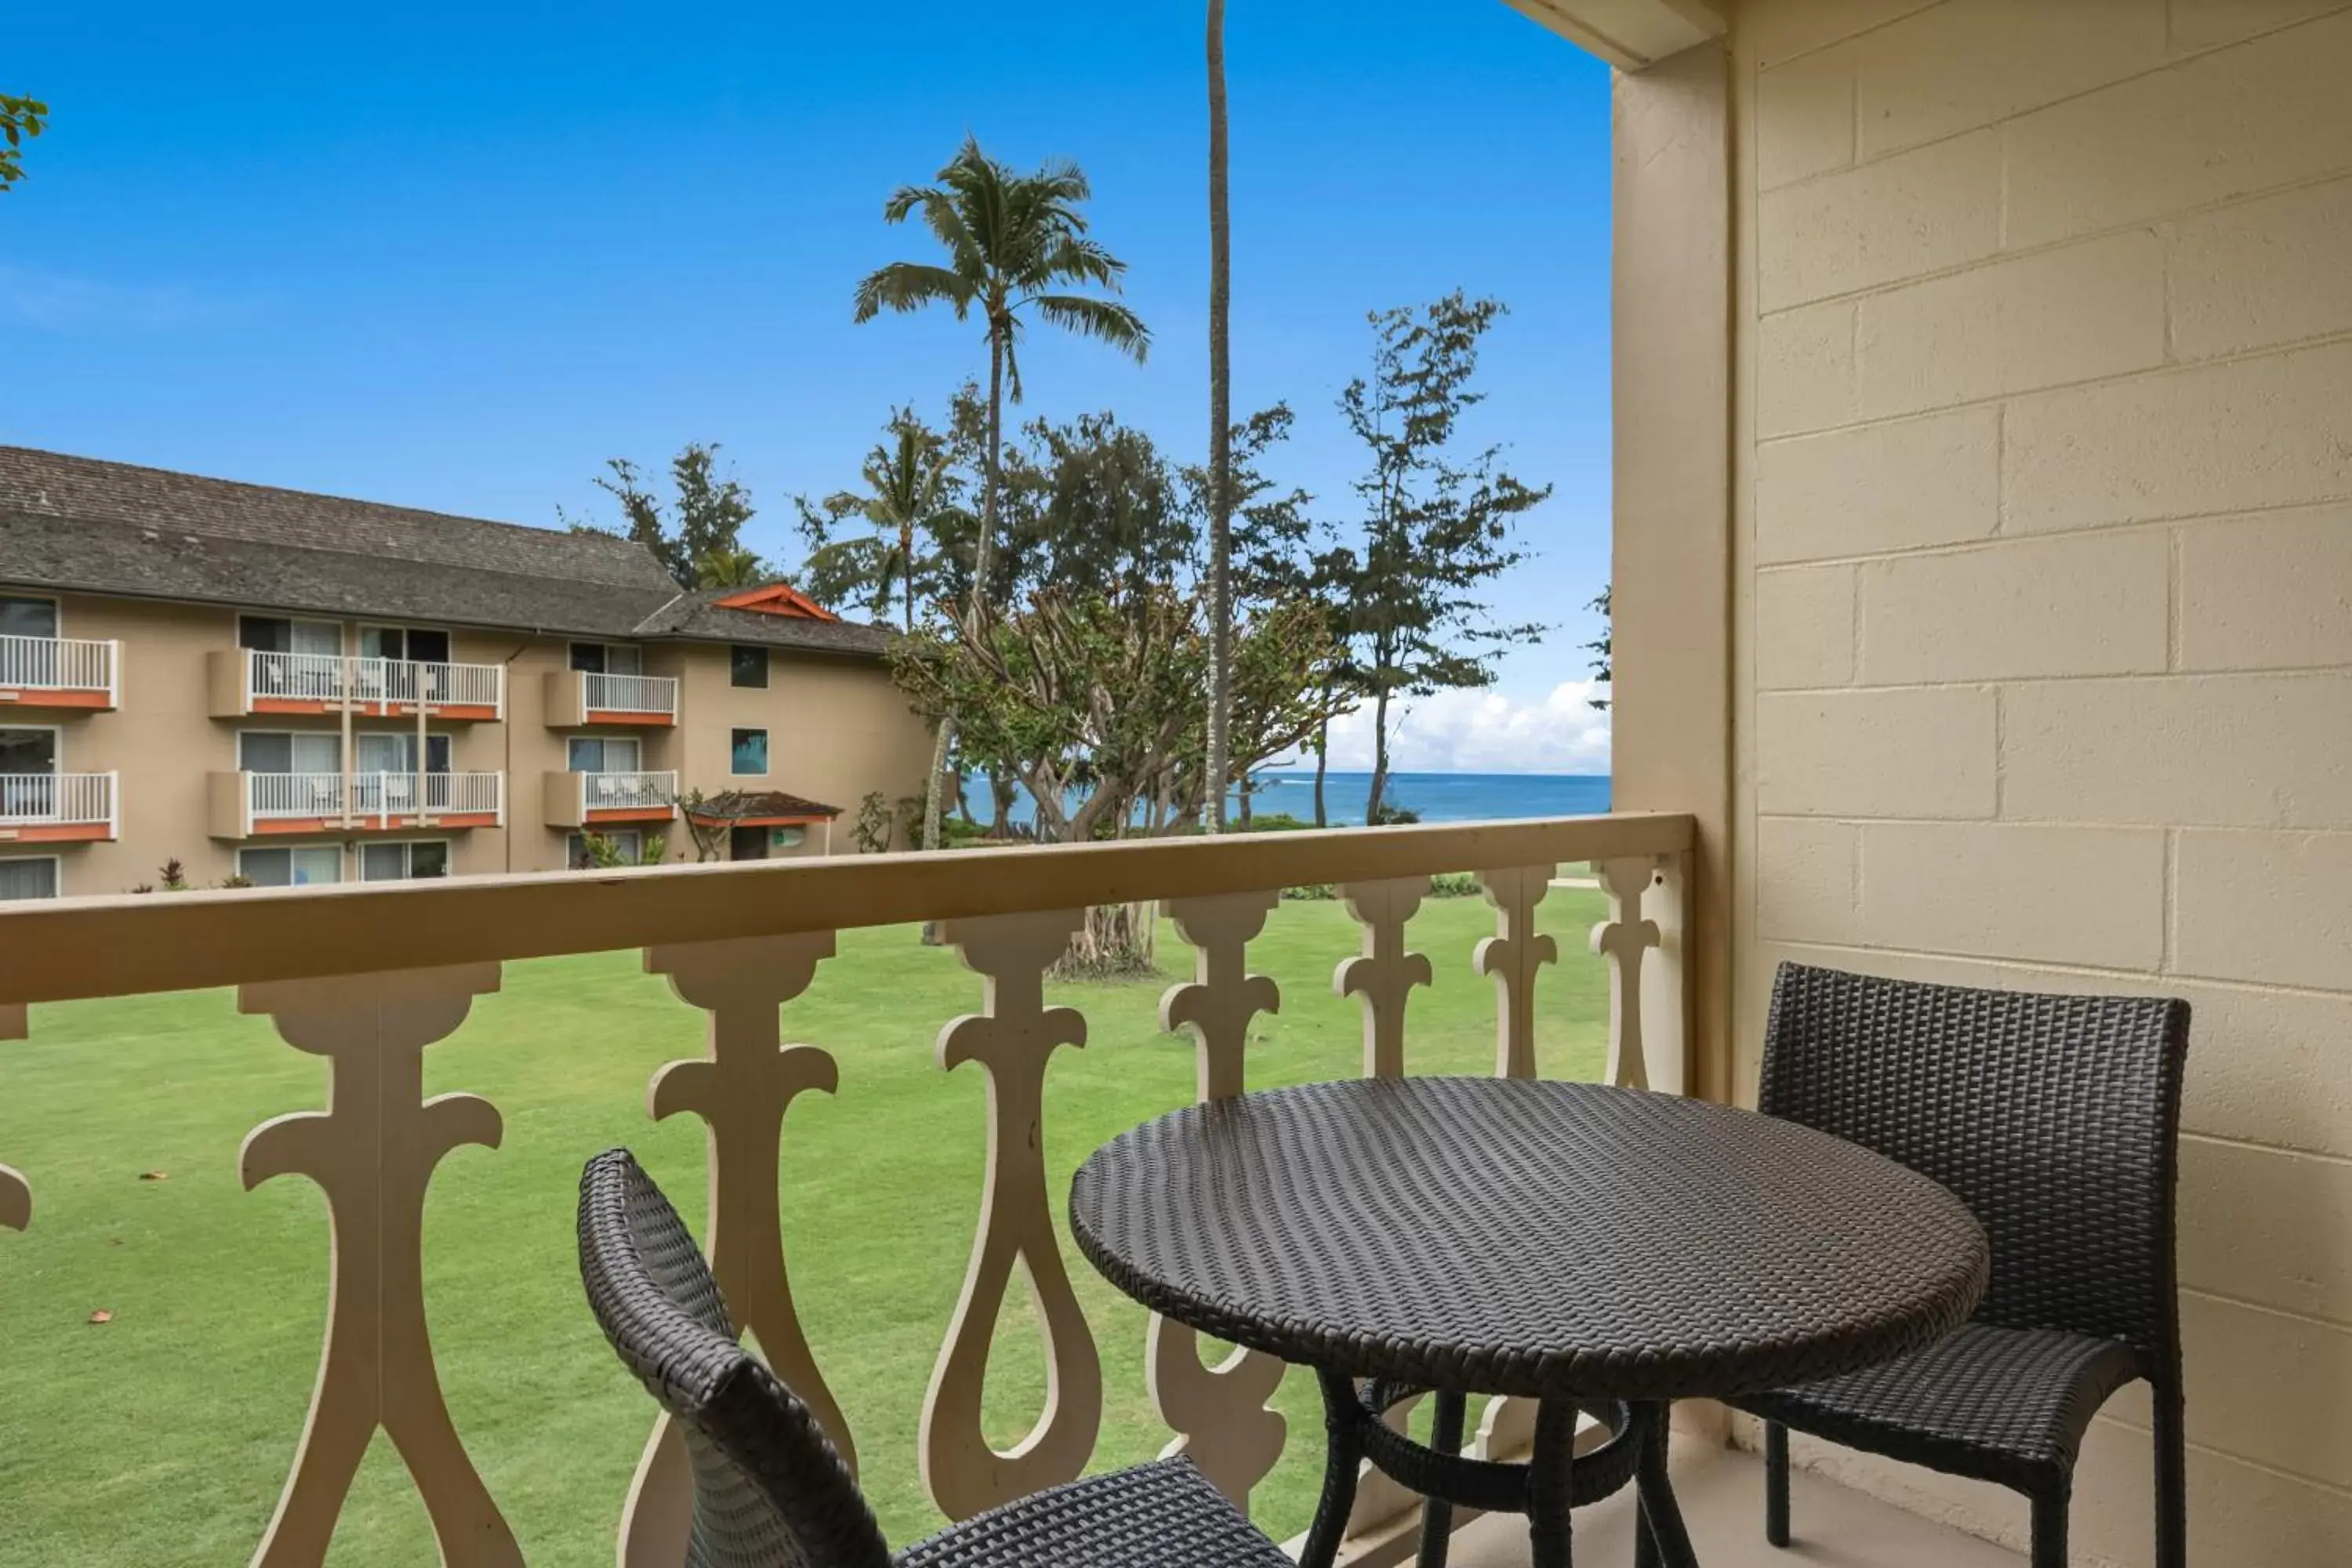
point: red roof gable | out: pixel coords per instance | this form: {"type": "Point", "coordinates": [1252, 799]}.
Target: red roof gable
{"type": "Point", "coordinates": [776, 599]}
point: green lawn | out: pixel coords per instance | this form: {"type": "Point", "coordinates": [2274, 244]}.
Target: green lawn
{"type": "Point", "coordinates": [163, 1436]}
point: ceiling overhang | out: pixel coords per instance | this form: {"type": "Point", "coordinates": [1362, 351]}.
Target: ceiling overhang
{"type": "Point", "coordinates": [1632, 35]}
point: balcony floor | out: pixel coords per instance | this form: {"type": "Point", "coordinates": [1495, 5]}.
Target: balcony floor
{"type": "Point", "coordinates": [1722, 1493]}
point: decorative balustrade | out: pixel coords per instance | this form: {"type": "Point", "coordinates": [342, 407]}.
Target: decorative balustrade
{"type": "Point", "coordinates": [737, 943]}
{"type": "Point", "coordinates": [35, 667]}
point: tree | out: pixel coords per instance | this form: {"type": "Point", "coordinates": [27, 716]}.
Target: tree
{"type": "Point", "coordinates": [1220, 394]}
{"type": "Point", "coordinates": [1015, 244]}
{"type": "Point", "coordinates": [1603, 668]}
{"type": "Point", "coordinates": [909, 502]}
{"type": "Point", "coordinates": [736, 568]}
{"type": "Point", "coordinates": [703, 523]}
{"type": "Point", "coordinates": [1438, 526]}
{"type": "Point", "coordinates": [21, 118]}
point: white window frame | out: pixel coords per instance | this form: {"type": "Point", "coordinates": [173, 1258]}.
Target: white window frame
{"type": "Point", "coordinates": [289, 851]}
{"type": "Point", "coordinates": [604, 741]}
{"type": "Point", "coordinates": [767, 747]}
{"type": "Point", "coordinates": [57, 612]}
{"type": "Point", "coordinates": [57, 875]}
{"type": "Point", "coordinates": [334, 735]}
{"type": "Point", "coordinates": [407, 847]}
{"type": "Point", "coordinates": [635, 650]}
{"type": "Point", "coordinates": [342, 638]}
{"type": "Point", "coordinates": [430, 736]}
{"type": "Point", "coordinates": [57, 734]}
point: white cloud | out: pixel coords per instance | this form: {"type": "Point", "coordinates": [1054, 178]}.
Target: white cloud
{"type": "Point", "coordinates": [1483, 733]}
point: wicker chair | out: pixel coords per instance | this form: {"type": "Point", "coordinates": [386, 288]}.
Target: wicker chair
{"type": "Point", "coordinates": [2057, 1121]}
{"type": "Point", "coordinates": [769, 1489]}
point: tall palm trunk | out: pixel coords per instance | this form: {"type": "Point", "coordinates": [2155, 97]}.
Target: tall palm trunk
{"type": "Point", "coordinates": [1221, 464]}
{"type": "Point", "coordinates": [1380, 758]}
{"type": "Point", "coordinates": [1322, 760]}
{"type": "Point", "coordinates": [982, 555]}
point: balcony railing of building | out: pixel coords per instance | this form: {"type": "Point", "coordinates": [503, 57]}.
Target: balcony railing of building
{"type": "Point", "coordinates": [370, 800]}
{"type": "Point", "coordinates": [580, 800]}
{"type": "Point", "coordinates": [59, 807]}
{"type": "Point", "coordinates": [295, 682]}
{"type": "Point", "coordinates": [737, 942]}
{"type": "Point", "coordinates": [67, 672]}
{"type": "Point", "coordinates": [577, 697]}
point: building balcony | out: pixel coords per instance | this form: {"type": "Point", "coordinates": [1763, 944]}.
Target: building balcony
{"type": "Point", "coordinates": [59, 808]}
{"type": "Point", "coordinates": [248, 681]}
{"type": "Point", "coordinates": [370, 975]}
{"type": "Point", "coordinates": [592, 800]}
{"type": "Point", "coordinates": [61, 674]}
{"type": "Point", "coordinates": [580, 697]}
{"type": "Point", "coordinates": [253, 805]}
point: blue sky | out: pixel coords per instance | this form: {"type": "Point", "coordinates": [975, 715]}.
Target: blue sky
{"type": "Point", "coordinates": [454, 257]}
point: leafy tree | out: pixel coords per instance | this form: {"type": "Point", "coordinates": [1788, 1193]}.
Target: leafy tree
{"type": "Point", "coordinates": [735, 568]}
{"type": "Point", "coordinates": [1603, 667]}
{"type": "Point", "coordinates": [911, 503]}
{"type": "Point", "coordinates": [1015, 245]}
{"type": "Point", "coordinates": [708, 833]}
{"type": "Point", "coordinates": [872, 831]}
{"type": "Point", "coordinates": [21, 118]}
{"type": "Point", "coordinates": [1221, 402]}
{"type": "Point", "coordinates": [1439, 524]}
{"type": "Point", "coordinates": [703, 522]}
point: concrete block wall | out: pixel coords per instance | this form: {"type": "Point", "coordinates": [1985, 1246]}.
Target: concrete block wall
{"type": "Point", "coordinates": [2043, 667]}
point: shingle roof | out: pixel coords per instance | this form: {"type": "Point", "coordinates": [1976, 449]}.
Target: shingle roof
{"type": "Point", "coordinates": [77, 523]}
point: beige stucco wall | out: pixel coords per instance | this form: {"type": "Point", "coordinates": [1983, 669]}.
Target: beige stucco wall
{"type": "Point", "coordinates": [2043, 664]}
{"type": "Point", "coordinates": [837, 728]}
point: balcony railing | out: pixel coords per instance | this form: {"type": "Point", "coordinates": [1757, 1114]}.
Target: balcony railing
{"type": "Point", "coordinates": [38, 670]}
{"type": "Point", "coordinates": [266, 682]}
{"type": "Point", "coordinates": [630, 694]}
{"type": "Point", "coordinates": [370, 800]}
{"type": "Point", "coordinates": [76, 805]}
{"type": "Point", "coordinates": [737, 942]}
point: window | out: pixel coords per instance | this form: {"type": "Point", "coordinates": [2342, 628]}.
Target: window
{"type": "Point", "coordinates": [274, 634]}
{"type": "Point", "coordinates": [27, 751]}
{"type": "Point", "coordinates": [280, 751]}
{"type": "Point", "coordinates": [29, 619]}
{"type": "Point", "coordinates": [601, 755]}
{"type": "Point", "coordinates": [607, 659]}
{"type": "Point", "coordinates": [395, 752]}
{"type": "Point", "coordinates": [749, 751]}
{"type": "Point", "coordinates": [28, 879]}
{"type": "Point", "coordinates": [311, 865]}
{"type": "Point", "coordinates": [749, 667]}
{"type": "Point", "coordinates": [415, 862]}
{"type": "Point", "coordinates": [627, 840]}
{"type": "Point", "coordinates": [404, 642]}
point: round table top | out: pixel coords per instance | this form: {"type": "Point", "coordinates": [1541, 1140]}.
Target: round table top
{"type": "Point", "coordinates": [1537, 1238]}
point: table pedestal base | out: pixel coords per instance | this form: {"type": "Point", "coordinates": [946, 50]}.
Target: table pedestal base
{"type": "Point", "coordinates": [1545, 1490]}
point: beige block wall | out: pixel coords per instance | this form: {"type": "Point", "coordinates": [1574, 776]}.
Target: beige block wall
{"type": "Point", "coordinates": [838, 729]}
{"type": "Point", "coordinates": [2042, 524]}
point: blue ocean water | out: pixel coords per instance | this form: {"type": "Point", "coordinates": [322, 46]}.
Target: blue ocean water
{"type": "Point", "coordinates": [1437, 797]}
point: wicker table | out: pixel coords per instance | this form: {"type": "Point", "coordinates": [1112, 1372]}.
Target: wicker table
{"type": "Point", "coordinates": [1590, 1248]}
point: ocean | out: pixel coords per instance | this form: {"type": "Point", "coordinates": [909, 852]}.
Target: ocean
{"type": "Point", "coordinates": [1438, 797]}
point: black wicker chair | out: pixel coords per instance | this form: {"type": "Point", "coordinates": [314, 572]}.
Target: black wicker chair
{"type": "Point", "coordinates": [2057, 1121]}
{"type": "Point", "coordinates": [769, 1489]}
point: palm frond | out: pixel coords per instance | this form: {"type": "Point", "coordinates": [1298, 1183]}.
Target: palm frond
{"type": "Point", "coordinates": [1106, 320]}
{"type": "Point", "coordinates": [1075, 259]}
{"type": "Point", "coordinates": [910, 285]}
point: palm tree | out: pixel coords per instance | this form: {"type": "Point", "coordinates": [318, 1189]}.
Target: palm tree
{"type": "Point", "coordinates": [1016, 243]}
{"type": "Point", "coordinates": [909, 500]}
{"type": "Point", "coordinates": [729, 566]}
{"type": "Point", "coordinates": [1221, 440]}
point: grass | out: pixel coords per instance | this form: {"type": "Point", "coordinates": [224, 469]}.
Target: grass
{"type": "Point", "coordinates": [163, 1436]}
